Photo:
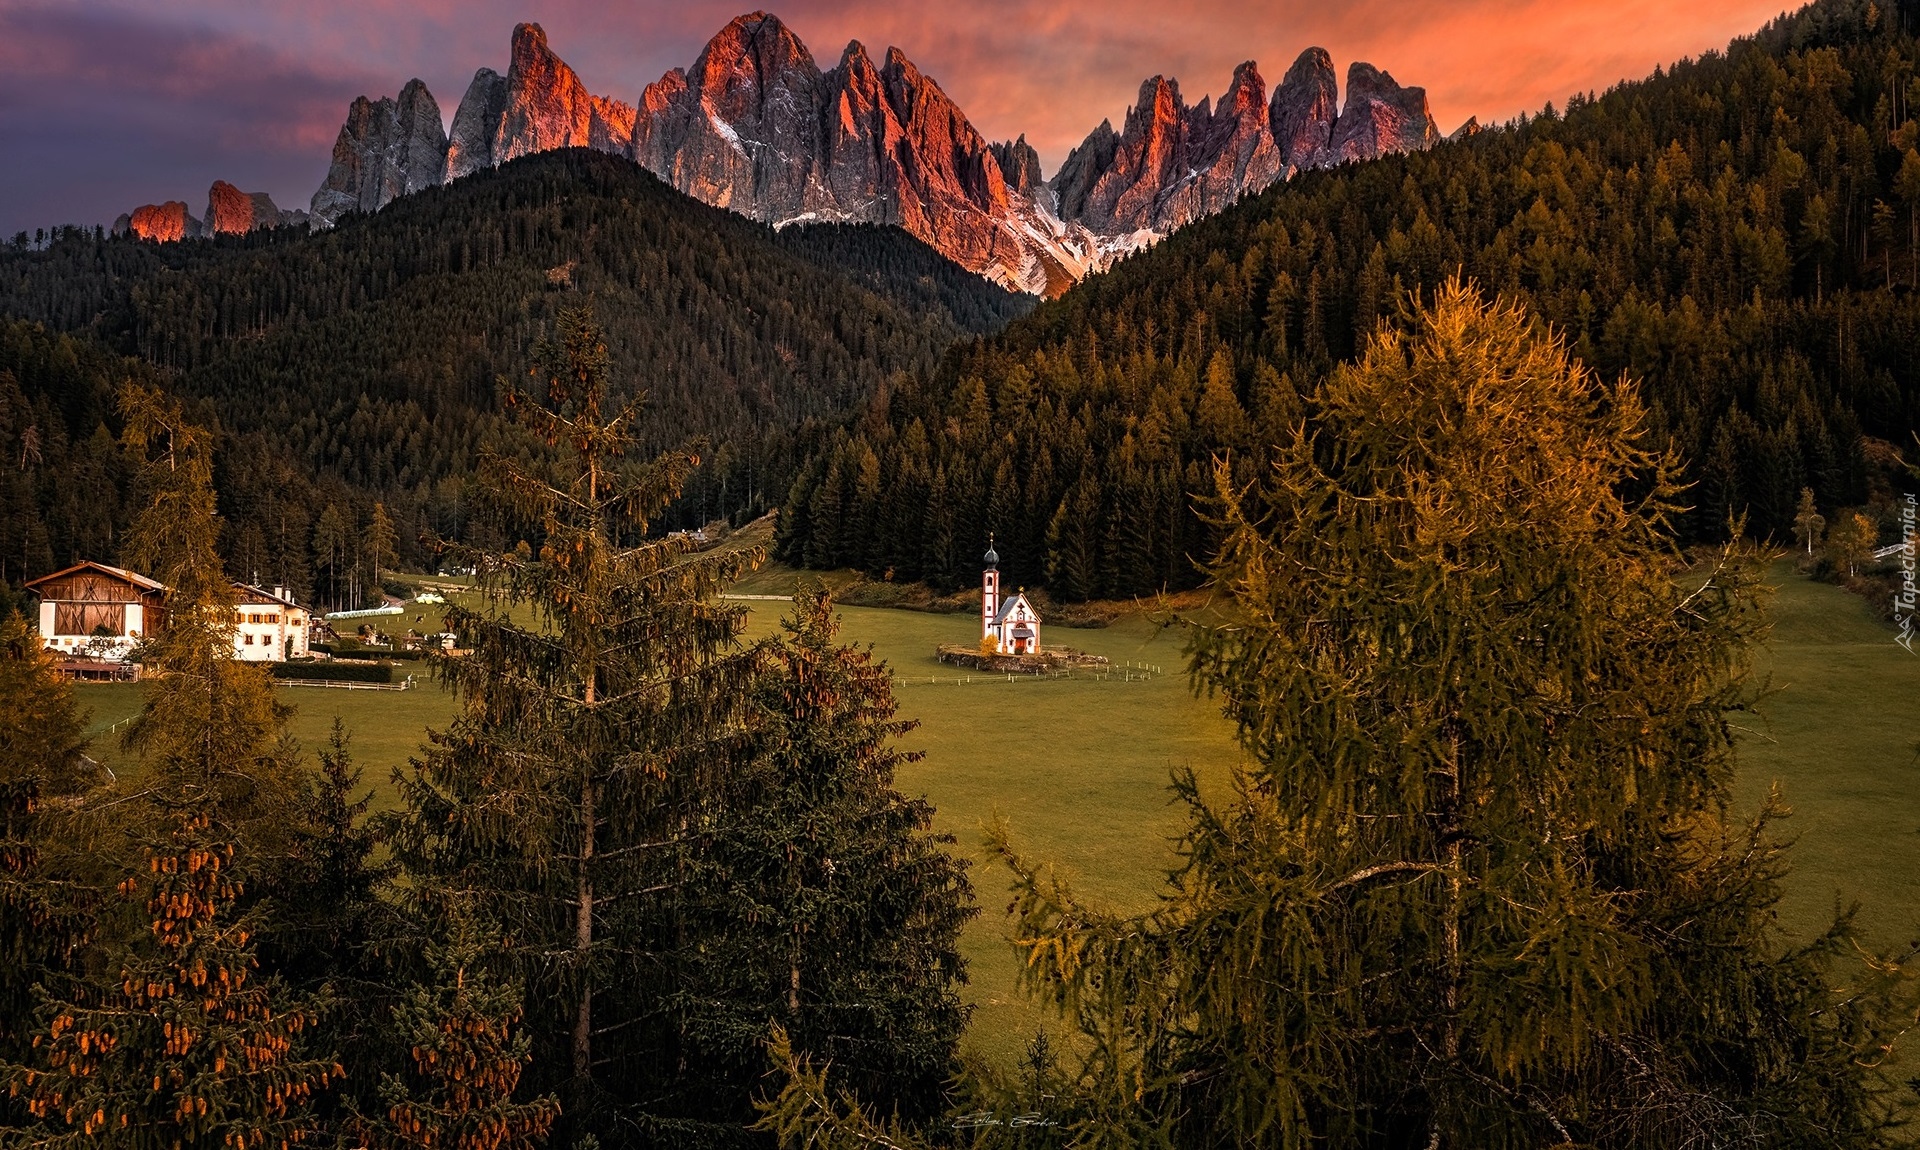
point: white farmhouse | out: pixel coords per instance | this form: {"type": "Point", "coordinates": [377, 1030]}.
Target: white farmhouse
{"type": "Point", "coordinates": [270, 627]}
{"type": "Point", "coordinates": [1012, 625]}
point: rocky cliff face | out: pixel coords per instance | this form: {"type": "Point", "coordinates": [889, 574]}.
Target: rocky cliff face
{"type": "Point", "coordinates": [1304, 108]}
{"type": "Point", "coordinates": [1381, 117]}
{"type": "Point", "coordinates": [1173, 164]}
{"type": "Point", "coordinates": [741, 128]}
{"type": "Point", "coordinates": [1019, 166]}
{"type": "Point", "coordinates": [386, 149]}
{"type": "Point", "coordinates": [230, 211]}
{"type": "Point", "coordinates": [755, 125]}
{"type": "Point", "coordinates": [547, 106]}
{"type": "Point", "coordinates": [470, 144]}
{"type": "Point", "coordinates": [162, 223]}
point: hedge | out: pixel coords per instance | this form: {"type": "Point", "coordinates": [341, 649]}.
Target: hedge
{"type": "Point", "coordinates": [359, 651]}
{"type": "Point", "coordinates": [341, 672]}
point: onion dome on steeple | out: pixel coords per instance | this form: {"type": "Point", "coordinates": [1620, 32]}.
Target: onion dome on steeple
{"type": "Point", "coordinates": [992, 557]}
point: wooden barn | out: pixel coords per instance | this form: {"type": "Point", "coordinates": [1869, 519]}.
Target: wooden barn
{"type": "Point", "coordinates": [91, 615]}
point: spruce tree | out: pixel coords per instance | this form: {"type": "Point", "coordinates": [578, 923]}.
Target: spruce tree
{"type": "Point", "coordinates": [560, 801]}
{"type": "Point", "coordinates": [464, 1057]}
{"type": "Point", "coordinates": [1482, 885]}
{"type": "Point", "coordinates": [184, 1045]}
{"type": "Point", "coordinates": [823, 902]}
{"type": "Point", "coordinates": [331, 933]}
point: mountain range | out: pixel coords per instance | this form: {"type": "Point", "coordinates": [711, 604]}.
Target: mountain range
{"type": "Point", "coordinates": [756, 126]}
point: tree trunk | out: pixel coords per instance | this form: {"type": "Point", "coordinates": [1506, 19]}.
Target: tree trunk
{"type": "Point", "coordinates": [583, 937]}
{"type": "Point", "coordinates": [583, 909]}
{"type": "Point", "coordinates": [1453, 906]}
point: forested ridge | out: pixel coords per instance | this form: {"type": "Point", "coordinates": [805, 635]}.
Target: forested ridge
{"type": "Point", "coordinates": [1741, 233]}
{"type": "Point", "coordinates": [359, 365]}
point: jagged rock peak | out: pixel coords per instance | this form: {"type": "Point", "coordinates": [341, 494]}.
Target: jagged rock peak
{"type": "Point", "coordinates": [755, 126]}
{"type": "Point", "coordinates": [741, 128]}
{"type": "Point", "coordinates": [1381, 117]}
{"type": "Point", "coordinates": [1073, 183]}
{"type": "Point", "coordinates": [386, 149]}
{"type": "Point", "coordinates": [1019, 165]}
{"type": "Point", "coordinates": [470, 145]}
{"type": "Point", "coordinates": [1235, 152]}
{"type": "Point", "coordinates": [228, 209]}
{"type": "Point", "coordinates": [750, 50]}
{"type": "Point", "coordinates": [1305, 105]}
{"type": "Point", "coordinates": [1171, 163]}
{"type": "Point", "coordinates": [163, 223]}
{"type": "Point", "coordinates": [547, 106]}
{"type": "Point", "coordinates": [1470, 128]}
{"type": "Point", "coordinates": [231, 211]}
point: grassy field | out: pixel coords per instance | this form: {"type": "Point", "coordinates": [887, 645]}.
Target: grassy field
{"type": "Point", "coordinates": [387, 726]}
{"type": "Point", "coordinates": [1079, 767]}
{"type": "Point", "coordinates": [1839, 736]}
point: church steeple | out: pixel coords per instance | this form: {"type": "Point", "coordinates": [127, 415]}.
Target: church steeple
{"type": "Point", "coordinates": [989, 591]}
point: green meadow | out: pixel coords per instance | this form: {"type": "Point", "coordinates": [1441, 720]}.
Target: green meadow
{"type": "Point", "coordinates": [1078, 767]}
{"type": "Point", "coordinates": [1841, 736]}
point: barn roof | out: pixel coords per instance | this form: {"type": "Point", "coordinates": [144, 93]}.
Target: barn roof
{"type": "Point", "coordinates": [133, 577]}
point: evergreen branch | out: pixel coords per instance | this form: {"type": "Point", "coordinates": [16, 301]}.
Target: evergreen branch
{"type": "Point", "coordinates": [1365, 873]}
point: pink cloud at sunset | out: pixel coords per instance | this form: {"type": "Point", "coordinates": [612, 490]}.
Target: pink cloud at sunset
{"type": "Point", "coordinates": [108, 105]}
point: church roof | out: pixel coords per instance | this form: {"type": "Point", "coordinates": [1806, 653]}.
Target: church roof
{"type": "Point", "coordinates": [1007, 605]}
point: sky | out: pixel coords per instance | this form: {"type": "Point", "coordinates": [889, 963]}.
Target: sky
{"type": "Point", "coordinates": [109, 104]}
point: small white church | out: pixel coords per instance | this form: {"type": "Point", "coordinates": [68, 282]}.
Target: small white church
{"type": "Point", "coordinates": [1012, 625]}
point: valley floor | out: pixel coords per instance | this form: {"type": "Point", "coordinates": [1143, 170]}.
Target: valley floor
{"type": "Point", "coordinates": [1079, 766]}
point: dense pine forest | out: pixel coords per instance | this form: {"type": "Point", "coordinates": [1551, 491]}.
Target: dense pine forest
{"type": "Point", "coordinates": [360, 365]}
{"type": "Point", "coordinates": [1741, 233]}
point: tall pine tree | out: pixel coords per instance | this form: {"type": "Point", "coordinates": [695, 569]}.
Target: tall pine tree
{"type": "Point", "coordinates": [561, 801]}
{"type": "Point", "coordinates": [822, 901]}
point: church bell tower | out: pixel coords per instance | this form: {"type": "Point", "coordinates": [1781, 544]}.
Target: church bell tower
{"type": "Point", "coordinates": [989, 591]}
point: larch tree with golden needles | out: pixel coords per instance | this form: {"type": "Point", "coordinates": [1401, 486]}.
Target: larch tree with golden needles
{"type": "Point", "coordinates": [560, 801]}
{"type": "Point", "coordinates": [212, 729]}
{"type": "Point", "coordinates": [1481, 886]}
{"type": "Point", "coordinates": [179, 1041]}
